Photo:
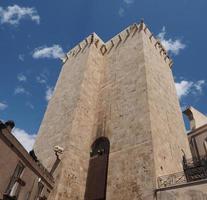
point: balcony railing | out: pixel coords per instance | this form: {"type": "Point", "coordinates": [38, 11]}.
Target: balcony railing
{"type": "Point", "coordinates": [194, 169]}
{"type": "Point", "coordinates": [171, 180]}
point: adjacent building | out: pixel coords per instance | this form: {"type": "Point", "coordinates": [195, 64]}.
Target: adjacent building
{"type": "Point", "coordinates": [21, 175]}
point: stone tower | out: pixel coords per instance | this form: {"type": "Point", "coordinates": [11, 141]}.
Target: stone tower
{"type": "Point", "coordinates": [116, 114]}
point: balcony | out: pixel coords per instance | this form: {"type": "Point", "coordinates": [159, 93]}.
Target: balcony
{"type": "Point", "coordinates": [194, 169]}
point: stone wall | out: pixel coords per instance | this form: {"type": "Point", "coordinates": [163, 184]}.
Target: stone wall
{"type": "Point", "coordinates": [70, 121]}
{"type": "Point", "coordinates": [126, 110]}
{"type": "Point", "coordinates": [167, 126]}
{"type": "Point", "coordinates": [123, 90]}
{"type": "Point", "coordinates": [196, 191]}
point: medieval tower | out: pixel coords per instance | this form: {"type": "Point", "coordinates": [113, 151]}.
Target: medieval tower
{"type": "Point", "coordinates": [116, 114]}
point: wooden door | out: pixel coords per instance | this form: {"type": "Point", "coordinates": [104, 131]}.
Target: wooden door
{"type": "Point", "coordinates": [97, 172]}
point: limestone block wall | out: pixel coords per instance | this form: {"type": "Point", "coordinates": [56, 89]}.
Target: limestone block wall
{"type": "Point", "coordinates": [167, 127]}
{"type": "Point", "coordinates": [57, 123]}
{"type": "Point", "coordinates": [71, 117]}
{"type": "Point", "coordinates": [124, 93]}
{"type": "Point", "coordinates": [123, 90]}
{"type": "Point", "coordinates": [196, 191]}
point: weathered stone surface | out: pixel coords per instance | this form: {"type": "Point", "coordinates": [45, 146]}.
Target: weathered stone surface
{"type": "Point", "coordinates": [188, 192]}
{"type": "Point", "coordinates": [123, 90]}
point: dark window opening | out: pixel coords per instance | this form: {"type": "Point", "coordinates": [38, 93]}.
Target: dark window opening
{"type": "Point", "coordinates": [15, 183]}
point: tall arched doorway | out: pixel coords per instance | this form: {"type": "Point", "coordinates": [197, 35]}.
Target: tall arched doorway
{"type": "Point", "coordinates": [97, 171]}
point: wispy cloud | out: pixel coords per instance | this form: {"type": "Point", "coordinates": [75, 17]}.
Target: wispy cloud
{"type": "Point", "coordinates": [172, 46]}
{"type": "Point", "coordinates": [26, 139]}
{"type": "Point", "coordinates": [21, 57]}
{"type": "Point", "coordinates": [121, 12]}
{"type": "Point", "coordinates": [185, 88]}
{"type": "Point", "coordinates": [49, 93]}
{"type": "Point", "coordinates": [30, 105]}
{"type": "Point", "coordinates": [41, 80]}
{"type": "Point", "coordinates": [3, 106]}
{"type": "Point", "coordinates": [128, 1]}
{"type": "Point", "coordinates": [21, 78]}
{"type": "Point", "coordinates": [20, 90]}
{"type": "Point", "coordinates": [54, 51]}
{"type": "Point", "coordinates": [199, 85]}
{"type": "Point", "coordinates": [124, 6]}
{"type": "Point", "coordinates": [14, 14]}
{"type": "Point", "coordinates": [43, 77]}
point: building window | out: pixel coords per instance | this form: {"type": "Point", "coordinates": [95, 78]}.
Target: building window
{"type": "Point", "coordinates": [15, 183]}
{"type": "Point", "coordinates": [40, 187]}
{"type": "Point", "coordinates": [205, 145]}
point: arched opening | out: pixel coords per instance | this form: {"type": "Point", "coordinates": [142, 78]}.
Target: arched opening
{"type": "Point", "coordinates": [97, 171]}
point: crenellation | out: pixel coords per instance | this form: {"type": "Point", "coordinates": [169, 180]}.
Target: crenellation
{"type": "Point", "coordinates": [128, 34]}
{"type": "Point", "coordinates": [158, 45]}
{"type": "Point", "coordinates": [135, 28]}
{"type": "Point", "coordinates": [79, 49]}
{"type": "Point", "coordinates": [111, 47]}
{"type": "Point", "coordinates": [145, 29]}
{"type": "Point", "coordinates": [150, 37]}
{"type": "Point", "coordinates": [107, 47]}
{"type": "Point", "coordinates": [96, 43]}
{"type": "Point", "coordinates": [103, 49]}
{"type": "Point", "coordinates": [122, 90]}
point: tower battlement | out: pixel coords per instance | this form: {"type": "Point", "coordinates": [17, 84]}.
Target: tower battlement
{"type": "Point", "coordinates": [115, 42]}
{"type": "Point", "coordinates": [116, 113]}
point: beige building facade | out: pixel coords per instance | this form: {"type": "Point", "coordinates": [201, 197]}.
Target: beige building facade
{"type": "Point", "coordinates": [116, 114]}
{"type": "Point", "coordinates": [197, 135]}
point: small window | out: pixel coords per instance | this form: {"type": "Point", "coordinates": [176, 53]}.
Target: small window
{"type": "Point", "coordinates": [39, 189]}
{"type": "Point", "coordinates": [205, 145]}
{"type": "Point", "coordinates": [14, 186]}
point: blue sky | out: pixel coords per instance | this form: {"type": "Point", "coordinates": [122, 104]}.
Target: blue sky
{"type": "Point", "coordinates": [35, 33]}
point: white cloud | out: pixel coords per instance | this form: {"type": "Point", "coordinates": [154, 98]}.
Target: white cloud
{"type": "Point", "coordinates": [13, 14]}
{"type": "Point", "coordinates": [20, 90]}
{"type": "Point", "coordinates": [49, 93]}
{"type": "Point", "coordinates": [54, 51]}
{"type": "Point", "coordinates": [30, 105]}
{"type": "Point", "coordinates": [121, 12]}
{"type": "Point", "coordinates": [43, 77]}
{"type": "Point", "coordinates": [21, 77]}
{"type": "Point", "coordinates": [185, 88]}
{"type": "Point", "coordinates": [41, 80]}
{"type": "Point", "coordinates": [199, 85]}
{"type": "Point", "coordinates": [26, 139]}
{"type": "Point", "coordinates": [172, 46]}
{"type": "Point", "coordinates": [128, 1]}
{"type": "Point", "coordinates": [21, 57]}
{"type": "Point", "coordinates": [3, 106]}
